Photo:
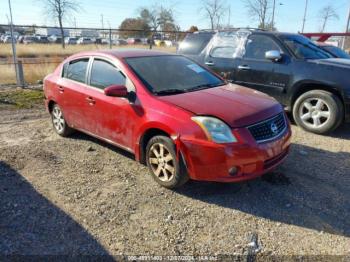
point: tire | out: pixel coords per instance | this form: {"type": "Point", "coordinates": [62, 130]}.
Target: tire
{"type": "Point", "coordinates": [318, 111]}
{"type": "Point", "coordinates": [163, 164]}
{"type": "Point", "coordinates": [59, 123]}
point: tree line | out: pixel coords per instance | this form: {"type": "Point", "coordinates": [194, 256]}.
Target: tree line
{"type": "Point", "coordinates": [159, 17]}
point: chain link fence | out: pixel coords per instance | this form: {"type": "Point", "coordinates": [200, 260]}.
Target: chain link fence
{"type": "Point", "coordinates": [39, 48]}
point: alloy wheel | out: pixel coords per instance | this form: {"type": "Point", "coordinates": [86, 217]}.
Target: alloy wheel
{"type": "Point", "coordinates": [58, 120]}
{"type": "Point", "coordinates": [314, 112]}
{"type": "Point", "coordinates": [162, 162]}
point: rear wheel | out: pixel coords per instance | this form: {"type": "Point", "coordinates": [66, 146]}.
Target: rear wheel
{"type": "Point", "coordinates": [162, 162]}
{"type": "Point", "coordinates": [59, 123]}
{"type": "Point", "coordinates": [318, 111]}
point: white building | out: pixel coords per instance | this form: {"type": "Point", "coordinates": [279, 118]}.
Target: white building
{"type": "Point", "coordinates": [50, 31]}
{"type": "Point", "coordinates": [83, 33]}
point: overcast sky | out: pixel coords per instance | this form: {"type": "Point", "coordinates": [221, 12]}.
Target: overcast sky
{"type": "Point", "coordinates": [187, 12]}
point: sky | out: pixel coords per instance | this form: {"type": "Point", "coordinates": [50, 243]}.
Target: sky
{"type": "Point", "coordinates": [289, 13]}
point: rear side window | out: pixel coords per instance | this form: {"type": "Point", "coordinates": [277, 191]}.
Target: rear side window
{"type": "Point", "coordinates": [76, 70]}
{"type": "Point", "coordinates": [194, 43]}
{"type": "Point", "coordinates": [228, 44]}
{"type": "Point", "coordinates": [104, 74]}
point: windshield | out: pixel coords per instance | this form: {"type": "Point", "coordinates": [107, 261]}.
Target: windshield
{"type": "Point", "coordinates": [172, 74]}
{"type": "Point", "coordinates": [336, 51]}
{"type": "Point", "coordinates": [304, 48]}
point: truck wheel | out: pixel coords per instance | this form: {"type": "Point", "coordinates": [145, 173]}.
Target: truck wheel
{"type": "Point", "coordinates": [318, 111]}
{"type": "Point", "coordinates": [163, 164]}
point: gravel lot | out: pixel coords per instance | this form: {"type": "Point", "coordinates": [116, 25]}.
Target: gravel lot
{"type": "Point", "coordinates": [81, 196]}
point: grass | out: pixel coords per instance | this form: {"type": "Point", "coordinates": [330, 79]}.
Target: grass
{"type": "Point", "coordinates": [33, 73]}
{"type": "Point", "coordinates": [21, 98]}
{"type": "Point", "coordinates": [50, 50]}
{"type": "Point", "coordinates": [46, 58]}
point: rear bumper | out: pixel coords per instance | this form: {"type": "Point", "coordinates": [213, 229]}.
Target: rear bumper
{"type": "Point", "coordinates": [207, 161]}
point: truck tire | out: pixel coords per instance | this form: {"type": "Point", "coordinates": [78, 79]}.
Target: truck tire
{"type": "Point", "coordinates": [318, 111]}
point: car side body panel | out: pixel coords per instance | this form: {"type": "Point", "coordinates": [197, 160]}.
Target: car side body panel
{"type": "Point", "coordinates": [125, 122]}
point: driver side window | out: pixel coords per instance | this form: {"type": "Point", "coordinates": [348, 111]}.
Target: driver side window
{"type": "Point", "coordinates": [258, 45]}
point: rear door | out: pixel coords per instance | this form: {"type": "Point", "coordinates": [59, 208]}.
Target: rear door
{"type": "Point", "coordinates": [111, 118]}
{"type": "Point", "coordinates": [222, 53]}
{"type": "Point", "coordinates": [71, 89]}
{"type": "Point", "coordinates": [254, 70]}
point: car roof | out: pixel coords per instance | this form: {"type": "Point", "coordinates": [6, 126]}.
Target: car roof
{"type": "Point", "coordinates": [252, 30]}
{"type": "Point", "coordinates": [124, 53]}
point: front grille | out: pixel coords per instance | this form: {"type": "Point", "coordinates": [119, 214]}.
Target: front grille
{"type": "Point", "coordinates": [269, 129]}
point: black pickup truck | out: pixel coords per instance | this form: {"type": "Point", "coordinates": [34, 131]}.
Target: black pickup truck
{"type": "Point", "coordinates": [306, 79]}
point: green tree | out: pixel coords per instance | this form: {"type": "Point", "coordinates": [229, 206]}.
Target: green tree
{"type": "Point", "coordinates": [158, 17]}
{"type": "Point", "coordinates": [130, 24]}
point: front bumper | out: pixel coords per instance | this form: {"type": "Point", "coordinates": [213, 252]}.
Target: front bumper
{"type": "Point", "coordinates": [208, 161]}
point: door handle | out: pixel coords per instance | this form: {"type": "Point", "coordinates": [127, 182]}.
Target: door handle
{"type": "Point", "coordinates": [243, 67]}
{"type": "Point", "coordinates": [60, 89]}
{"type": "Point", "coordinates": [209, 63]}
{"type": "Point", "coordinates": [90, 100]}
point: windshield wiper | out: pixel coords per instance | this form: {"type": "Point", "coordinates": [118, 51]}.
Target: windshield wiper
{"type": "Point", "coordinates": [205, 86]}
{"type": "Point", "coordinates": [170, 92]}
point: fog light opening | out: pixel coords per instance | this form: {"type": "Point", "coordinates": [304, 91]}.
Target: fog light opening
{"type": "Point", "coordinates": [233, 171]}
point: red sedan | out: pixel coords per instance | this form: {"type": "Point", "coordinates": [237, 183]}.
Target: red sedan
{"type": "Point", "coordinates": [174, 115]}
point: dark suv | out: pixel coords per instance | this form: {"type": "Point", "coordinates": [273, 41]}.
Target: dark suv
{"type": "Point", "coordinates": [303, 77]}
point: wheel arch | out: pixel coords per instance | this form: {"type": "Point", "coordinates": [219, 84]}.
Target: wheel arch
{"type": "Point", "coordinates": [50, 105]}
{"type": "Point", "coordinates": [304, 87]}
{"type": "Point", "coordinates": [146, 136]}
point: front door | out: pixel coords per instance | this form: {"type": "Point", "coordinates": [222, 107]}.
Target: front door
{"type": "Point", "coordinates": [254, 70]}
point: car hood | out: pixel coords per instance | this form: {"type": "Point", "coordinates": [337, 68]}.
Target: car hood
{"type": "Point", "coordinates": [338, 62]}
{"type": "Point", "coordinates": [236, 105]}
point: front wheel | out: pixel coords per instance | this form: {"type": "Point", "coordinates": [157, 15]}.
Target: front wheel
{"type": "Point", "coordinates": [318, 111]}
{"type": "Point", "coordinates": [163, 164]}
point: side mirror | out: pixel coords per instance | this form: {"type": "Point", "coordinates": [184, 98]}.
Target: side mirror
{"type": "Point", "coordinates": [273, 55]}
{"type": "Point", "coordinates": [116, 91]}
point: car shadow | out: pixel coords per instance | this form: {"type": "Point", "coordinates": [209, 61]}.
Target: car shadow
{"type": "Point", "coordinates": [311, 190]}
{"type": "Point", "coordinates": [32, 225]}
{"type": "Point", "coordinates": [82, 136]}
{"type": "Point", "coordinates": [342, 132]}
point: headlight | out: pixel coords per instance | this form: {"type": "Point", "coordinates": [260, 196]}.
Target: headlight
{"type": "Point", "coordinates": [215, 129]}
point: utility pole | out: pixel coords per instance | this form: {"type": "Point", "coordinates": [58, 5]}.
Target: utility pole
{"type": "Point", "coordinates": [273, 15]}
{"type": "Point", "coordinates": [305, 13]}
{"type": "Point", "coordinates": [75, 22]}
{"type": "Point", "coordinates": [102, 21]}
{"type": "Point", "coordinates": [14, 54]}
{"type": "Point", "coordinates": [229, 18]}
{"type": "Point", "coordinates": [110, 35]}
{"type": "Point", "coordinates": [346, 29]}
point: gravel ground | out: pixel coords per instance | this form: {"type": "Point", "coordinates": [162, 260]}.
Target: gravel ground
{"type": "Point", "coordinates": [81, 196]}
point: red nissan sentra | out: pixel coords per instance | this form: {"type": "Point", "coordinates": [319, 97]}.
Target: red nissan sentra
{"type": "Point", "coordinates": [174, 115]}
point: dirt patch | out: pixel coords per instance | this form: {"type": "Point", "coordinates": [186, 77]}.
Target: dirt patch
{"type": "Point", "coordinates": [81, 196]}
